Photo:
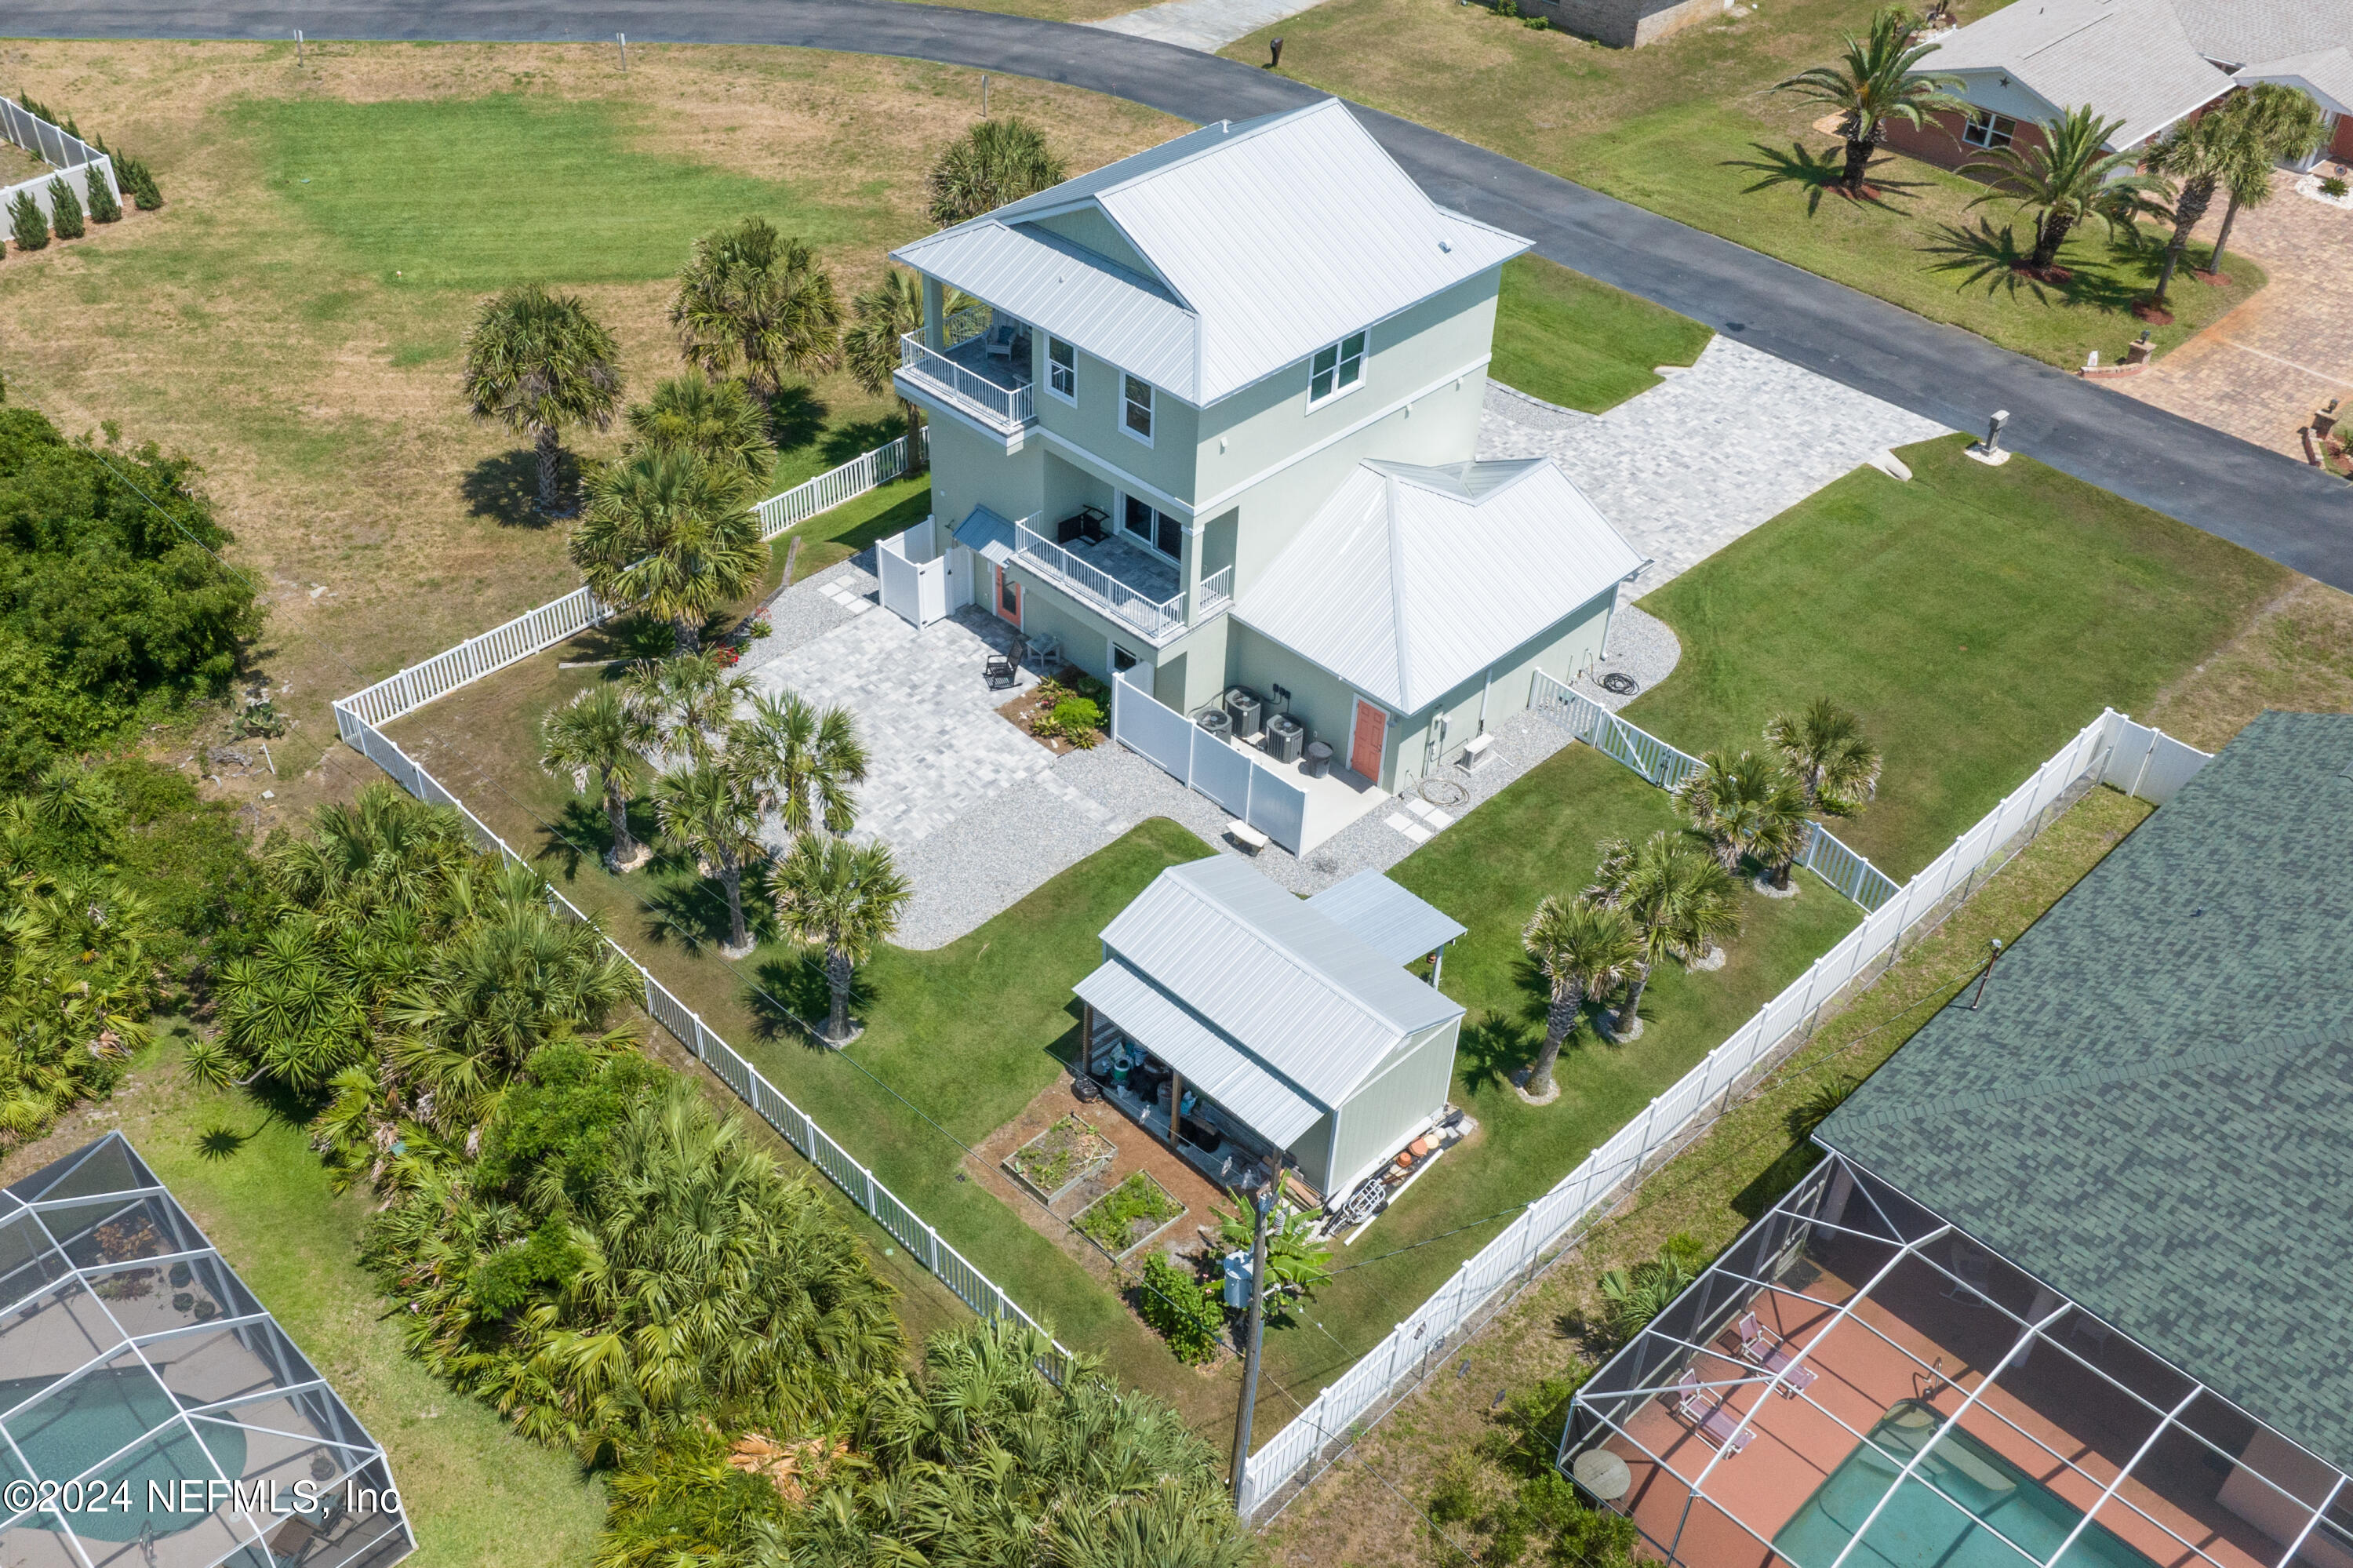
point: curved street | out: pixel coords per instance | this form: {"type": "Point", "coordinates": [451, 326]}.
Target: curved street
{"type": "Point", "coordinates": [2270, 504]}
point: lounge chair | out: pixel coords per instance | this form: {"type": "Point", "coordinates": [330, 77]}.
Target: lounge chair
{"type": "Point", "coordinates": [1710, 1417]}
{"type": "Point", "coordinates": [1771, 1353]}
{"type": "Point", "coordinates": [998, 344]}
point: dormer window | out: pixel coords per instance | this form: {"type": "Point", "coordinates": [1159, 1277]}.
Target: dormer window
{"type": "Point", "coordinates": [1336, 369]}
{"type": "Point", "coordinates": [1139, 408]}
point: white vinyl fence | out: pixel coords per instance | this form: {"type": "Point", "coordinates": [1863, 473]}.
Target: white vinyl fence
{"type": "Point", "coordinates": [77, 161]}
{"type": "Point", "coordinates": [1232, 777]}
{"type": "Point", "coordinates": [2110, 750]}
{"type": "Point", "coordinates": [913, 589]}
{"type": "Point", "coordinates": [538, 630]}
{"type": "Point", "coordinates": [1667, 768]}
{"type": "Point", "coordinates": [973, 1287]}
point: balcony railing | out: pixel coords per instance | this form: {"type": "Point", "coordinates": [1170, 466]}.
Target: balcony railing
{"type": "Point", "coordinates": [1158, 620]}
{"type": "Point", "coordinates": [1006, 408]}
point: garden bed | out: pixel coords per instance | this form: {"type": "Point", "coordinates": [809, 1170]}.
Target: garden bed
{"type": "Point", "coordinates": [1060, 1157]}
{"type": "Point", "coordinates": [1050, 714]}
{"type": "Point", "coordinates": [1130, 1216]}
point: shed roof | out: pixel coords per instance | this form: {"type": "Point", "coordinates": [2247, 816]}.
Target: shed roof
{"type": "Point", "coordinates": [986, 534]}
{"type": "Point", "coordinates": [2129, 60]}
{"type": "Point", "coordinates": [1179, 1037]}
{"type": "Point", "coordinates": [1410, 581]}
{"type": "Point", "coordinates": [2152, 1109]}
{"type": "Point", "coordinates": [1272, 976]}
{"type": "Point", "coordinates": [1266, 239]}
{"type": "Point", "coordinates": [1386, 917]}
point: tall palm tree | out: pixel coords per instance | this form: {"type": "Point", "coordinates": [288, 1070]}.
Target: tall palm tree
{"type": "Point", "coordinates": [880, 317]}
{"type": "Point", "coordinates": [1824, 746]}
{"type": "Point", "coordinates": [673, 533]}
{"type": "Point", "coordinates": [993, 162]}
{"type": "Point", "coordinates": [711, 811]}
{"type": "Point", "coordinates": [689, 703]}
{"type": "Point", "coordinates": [720, 421]}
{"type": "Point", "coordinates": [2281, 122]}
{"type": "Point", "coordinates": [1876, 81]}
{"type": "Point", "coordinates": [1582, 949]}
{"type": "Point", "coordinates": [1679, 899]}
{"type": "Point", "coordinates": [754, 298]}
{"type": "Point", "coordinates": [2198, 154]}
{"type": "Point", "coordinates": [808, 761]}
{"type": "Point", "coordinates": [842, 901]}
{"type": "Point", "coordinates": [2070, 178]}
{"type": "Point", "coordinates": [536, 362]}
{"type": "Point", "coordinates": [601, 732]}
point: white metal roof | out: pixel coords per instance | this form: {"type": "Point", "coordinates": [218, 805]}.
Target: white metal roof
{"type": "Point", "coordinates": [1270, 237]}
{"type": "Point", "coordinates": [1233, 1078]}
{"type": "Point", "coordinates": [1411, 580]}
{"type": "Point", "coordinates": [1272, 976]}
{"type": "Point", "coordinates": [2129, 60]}
{"type": "Point", "coordinates": [1386, 917]}
{"type": "Point", "coordinates": [988, 534]}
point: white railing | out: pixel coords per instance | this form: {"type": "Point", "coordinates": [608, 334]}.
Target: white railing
{"type": "Point", "coordinates": [1666, 767]}
{"type": "Point", "coordinates": [1007, 407]}
{"type": "Point", "coordinates": [1218, 589]}
{"type": "Point", "coordinates": [971, 1287]}
{"type": "Point", "coordinates": [1155, 619]}
{"type": "Point", "coordinates": [76, 159]}
{"type": "Point", "coordinates": [537, 630]}
{"type": "Point", "coordinates": [2110, 750]}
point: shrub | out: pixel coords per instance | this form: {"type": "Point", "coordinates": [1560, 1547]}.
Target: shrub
{"type": "Point", "coordinates": [132, 176]}
{"type": "Point", "coordinates": [1181, 1309]}
{"type": "Point", "coordinates": [1539, 23]}
{"type": "Point", "coordinates": [1634, 1297]}
{"type": "Point", "coordinates": [1076, 720]}
{"type": "Point", "coordinates": [65, 210]}
{"type": "Point", "coordinates": [26, 224]}
{"type": "Point", "coordinates": [103, 206]}
{"type": "Point", "coordinates": [2334, 187]}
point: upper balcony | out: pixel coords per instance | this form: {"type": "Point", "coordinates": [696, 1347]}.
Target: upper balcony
{"type": "Point", "coordinates": [983, 371]}
{"type": "Point", "coordinates": [1130, 584]}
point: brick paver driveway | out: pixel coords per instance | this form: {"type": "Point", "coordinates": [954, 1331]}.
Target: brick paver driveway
{"type": "Point", "coordinates": [2261, 371]}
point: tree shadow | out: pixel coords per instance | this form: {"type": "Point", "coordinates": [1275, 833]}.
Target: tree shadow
{"type": "Point", "coordinates": [790, 999]}
{"type": "Point", "coordinates": [628, 638]}
{"type": "Point", "coordinates": [1773, 1184]}
{"type": "Point", "coordinates": [505, 488]}
{"type": "Point", "coordinates": [1818, 173]}
{"type": "Point", "coordinates": [1997, 258]}
{"type": "Point", "coordinates": [858, 436]}
{"type": "Point", "coordinates": [797, 416]}
{"type": "Point", "coordinates": [217, 1143]}
{"type": "Point", "coordinates": [1491, 1048]}
{"type": "Point", "coordinates": [681, 905]}
{"type": "Point", "coordinates": [580, 832]}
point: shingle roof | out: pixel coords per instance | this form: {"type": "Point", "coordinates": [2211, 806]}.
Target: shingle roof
{"type": "Point", "coordinates": [1410, 581]}
{"type": "Point", "coordinates": [2129, 60]}
{"type": "Point", "coordinates": [2241, 32]}
{"type": "Point", "coordinates": [1270, 237]}
{"type": "Point", "coordinates": [1386, 917]}
{"type": "Point", "coordinates": [2152, 1110]}
{"type": "Point", "coordinates": [2327, 71]}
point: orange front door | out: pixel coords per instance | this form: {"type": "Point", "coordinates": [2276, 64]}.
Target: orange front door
{"type": "Point", "coordinates": [1009, 599]}
{"type": "Point", "coordinates": [1365, 751]}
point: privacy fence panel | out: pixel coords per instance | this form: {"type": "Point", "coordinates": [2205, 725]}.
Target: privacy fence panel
{"type": "Point", "coordinates": [1141, 724]}
{"type": "Point", "coordinates": [1277, 807]}
{"type": "Point", "coordinates": [1235, 778]}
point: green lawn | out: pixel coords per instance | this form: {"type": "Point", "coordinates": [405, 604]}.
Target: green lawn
{"type": "Point", "coordinates": [1976, 617]}
{"type": "Point", "coordinates": [834, 536]}
{"type": "Point", "coordinates": [1563, 337]}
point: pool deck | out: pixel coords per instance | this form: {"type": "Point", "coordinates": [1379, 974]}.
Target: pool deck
{"type": "Point", "coordinates": [1860, 1375]}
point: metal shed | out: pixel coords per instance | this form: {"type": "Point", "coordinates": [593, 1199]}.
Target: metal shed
{"type": "Point", "coordinates": [1268, 1024]}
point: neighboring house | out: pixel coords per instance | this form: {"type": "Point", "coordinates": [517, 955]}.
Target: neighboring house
{"type": "Point", "coordinates": [1274, 1024]}
{"type": "Point", "coordinates": [1211, 417]}
{"type": "Point", "coordinates": [2148, 63]}
{"type": "Point", "coordinates": [2073, 1276]}
{"type": "Point", "coordinates": [155, 1413]}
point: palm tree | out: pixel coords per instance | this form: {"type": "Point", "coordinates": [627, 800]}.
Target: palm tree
{"type": "Point", "coordinates": [1747, 805]}
{"type": "Point", "coordinates": [688, 702]}
{"type": "Point", "coordinates": [1834, 761]}
{"type": "Point", "coordinates": [755, 298]}
{"type": "Point", "coordinates": [1679, 899]}
{"type": "Point", "coordinates": [1875, 82]}
{"type": "Point", "coordinates": [879, 318]}
{"type": "Point", "coordinates": [2198, 154]}
{"type": "Point", "coordinates": [602, 733]}
{"type": "Point", "coordinates": [993, 162]}
{"type": "Point", "coordinates": [806, 762]}
{"type": "Point", "coordinates": [291, 1009]}
{"type": "Point", "coordinates": [673, 533]}
{"type": "Point", "coordinates": [1582, 949]}
{"type": "Point", "coordinates": [2070, 178]}
{"type": "Point", "coordinates": [537, 362]}
{"type": "Point", "coordinates": [842, 900]}
{"type": "Point", "coordinates": [711, 811]}
{"type": "Point", "coordinates": [2281, 122]}
{"type": "Point", "coordinates": [718, 420]}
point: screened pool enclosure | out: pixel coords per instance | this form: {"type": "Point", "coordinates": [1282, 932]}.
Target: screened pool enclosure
{"type": "Point", "coordinates": [152, 1413]}
{"type": "Point", "coordinates": [1855, 1384]}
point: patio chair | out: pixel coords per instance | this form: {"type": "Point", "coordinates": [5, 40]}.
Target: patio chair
{"type": "Point", "coordinates": [998, 672]}
{"type": "Point", "coordinates": [1770, 1352]}
{"type": "Point", "coordinates": [1972, 1270]}
{"type": "Point", "coordinates": [998, 344]}
{"type": "Point", "coordinates": [1710, 1417]}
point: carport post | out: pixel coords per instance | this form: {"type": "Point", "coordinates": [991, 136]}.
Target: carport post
{"type": "Point", "coordinates": [1175, 1099]}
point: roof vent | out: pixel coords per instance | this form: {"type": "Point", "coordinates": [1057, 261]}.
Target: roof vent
{"type": "Point", "coordinates": [1447, 245]}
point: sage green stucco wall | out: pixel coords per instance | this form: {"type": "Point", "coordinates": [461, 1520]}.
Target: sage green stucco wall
{"type": "Point", "coordinates": [1094, 426]}
{"type": "Point", "coordinates": [971, 470]}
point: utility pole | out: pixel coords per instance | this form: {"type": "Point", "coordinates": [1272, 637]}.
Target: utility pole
{"type": "Point", "coordinates": [1250, 1330]}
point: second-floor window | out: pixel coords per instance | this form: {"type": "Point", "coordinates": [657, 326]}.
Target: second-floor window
{"type": "Point", "coordinates": [1155, 528]}
{"type": "Point", "coordinates": [1139, 410]}
{"type": "Point", "coordinates": [1986, 129]}
{"type": "Point", "coordinates": [1336, 368]}
{"type": "Point", "coordinates": [1062, 370]}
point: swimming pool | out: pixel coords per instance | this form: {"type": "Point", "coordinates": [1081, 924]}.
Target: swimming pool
{"type": "Point", "coordinates": [1917, 1529]}
{"type": "Point", "coordinates": [103, 1411]}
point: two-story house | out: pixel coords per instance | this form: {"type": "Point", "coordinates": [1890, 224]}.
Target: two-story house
{"type": "Point", "coordinates": [1210, 412]}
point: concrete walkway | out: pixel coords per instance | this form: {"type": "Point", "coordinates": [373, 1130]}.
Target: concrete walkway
{"type": "Point", "coordinates": [1208, 25]}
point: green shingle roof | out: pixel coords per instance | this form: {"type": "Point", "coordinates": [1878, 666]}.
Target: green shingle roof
{"type": "Point", "coordinates": [2153, 1109]}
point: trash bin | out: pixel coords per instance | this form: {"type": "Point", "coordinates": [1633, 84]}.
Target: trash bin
{"type": "Point", "coordinates": [1215, 721]}
{"type": "Point", "coordinates": [1319, 758]}
{"type": "Point", "coordinates": [1284, 736]}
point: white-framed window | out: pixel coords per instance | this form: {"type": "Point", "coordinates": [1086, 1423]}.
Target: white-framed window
{"type": "Point", "coordinates": [1138, 419]}
{"type": "Point", "coordinates": [1120, 658]}
{"type": "Point", "coordinates": [1062, 370]}
{"type": "Point", "coordinates": [1336, 369]}
{"type": "Point", "coordinates": [1987, 129]}
{"type": "Point", "coordinates": [1147, 526]}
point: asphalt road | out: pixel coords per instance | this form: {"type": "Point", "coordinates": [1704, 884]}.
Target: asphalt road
{"type": "Point", "coordinates": [2267, 503]}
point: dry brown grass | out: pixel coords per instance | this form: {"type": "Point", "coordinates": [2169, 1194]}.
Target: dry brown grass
{"type": "Point", "coordinates": [2296, 654]}
{"type": "Point", "coordinates": [319, 395]}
